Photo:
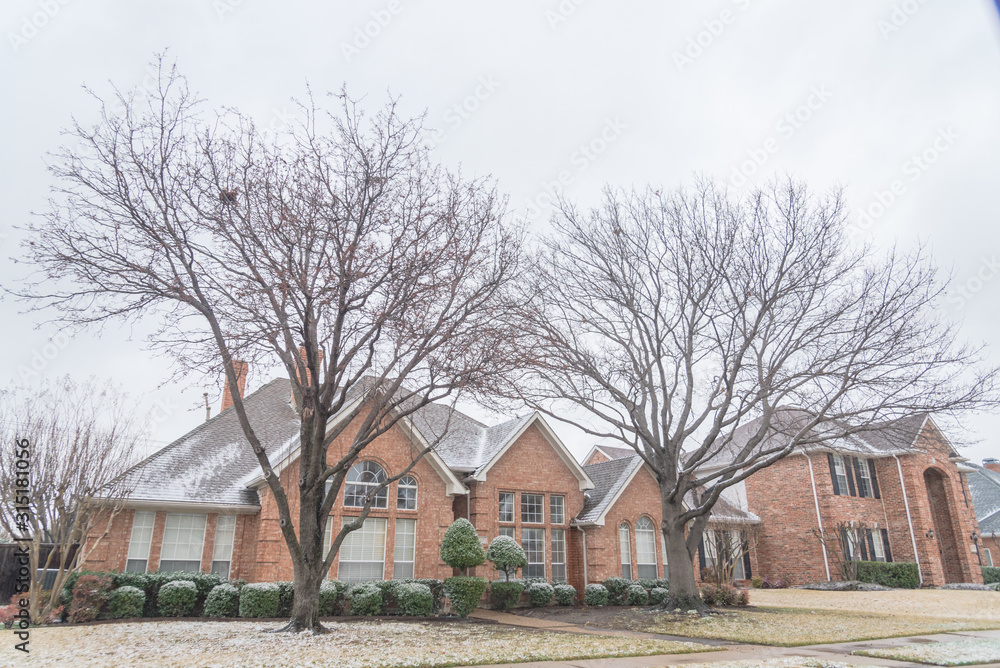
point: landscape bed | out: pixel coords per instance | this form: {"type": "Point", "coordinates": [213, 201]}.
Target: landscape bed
{"type": "Point", "coordinates": [368, 644]}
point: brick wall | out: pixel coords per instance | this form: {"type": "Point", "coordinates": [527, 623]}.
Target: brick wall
{"type": "Point", "coordinates": [531, 465]}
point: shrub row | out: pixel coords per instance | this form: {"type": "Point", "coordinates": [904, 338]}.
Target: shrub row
{"type": "Point", "coordinates": [991, 574]}
{"type": "Point", "coordinates": [901, 574]}
{"type": "Point", "coordinates": [148, 583]}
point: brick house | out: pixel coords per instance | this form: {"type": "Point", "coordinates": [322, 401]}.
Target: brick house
{"type": "Point", "coordinates": [984, 485]}
{"type": "Point", "coordinates": [200, 503]}
{"type": "Point", "coordinates": [903, 488]}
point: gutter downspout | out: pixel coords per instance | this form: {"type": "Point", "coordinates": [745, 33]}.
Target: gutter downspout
{"type": "Point", "coordinates": [812, 478]}
{"type": "Point", "coordinates": [909, 520]}
{"type": "Point", "coordinates": [586, 580]}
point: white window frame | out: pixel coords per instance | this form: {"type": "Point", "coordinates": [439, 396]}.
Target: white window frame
{"type": "Point", "coordinates": [877, 545]}
{"type": "Point", "coordinates": [507, 531]}
{"type": "Point", "coordinates": [367, 479]}
{"type": "Point", "coordinates": [625, 548]}
{"type": "Point", "coordinates": [168, 549]}
{"type": "Point", "coordinates": [650, 549]}
{"type": "Point", "coordinates": [540, 505]}
{"type": "Point", "coordinates": [989, 557]}
{"type": "Point", "coordinates": [557, 517]}
{"type": "Point", "coordinates": [864, 480]}
{"type": "Point", "coordinates": [404, 564]}
{"type": "Point", "coordinates": [500, 507]}
{"type": "Point", "coordinates": [840, 470]}
{"type": "Point", "coordinates": [376, 527]}
{"type": "Point", "coordinates": [223, 556]}
{"type": "Point", "coordinates": [406, 483]}
{"type": "Point", "coordinates": [558, 541]}
{"type": "Point", "coordinates": [138, 546]}
{"type": "Point", "coordinates": [530, 571]}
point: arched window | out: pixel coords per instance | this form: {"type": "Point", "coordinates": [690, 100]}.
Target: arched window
{"type": "Point", "coordinates": [625, 543]}
{"type": "Point", "coordinates": [406, 493]}
{"type": "Point", "coordinates": [645, 548]}
{"type": "Point", "coordinates": [362, 480]}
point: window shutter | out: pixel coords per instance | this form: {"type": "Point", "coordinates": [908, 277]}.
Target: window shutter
{"type": "Point", "coordinates": [857, 473]}
{"type": "Point", "coordinates": [746, 561]}
{"type": "Point", "coordinates": [701, 555]}
{"type": "Point", "coordinates": [871, 470]}
{"type": "Point", "coordinates": [833, 475]}
{"type": "Point", "coordinates": [849, 469]}
{"type": "Point", "coordinates": [863, 539]}
{"type": "Point", "coordinates": [871, 546]}
{"type": "Point", "coordinates": [885, 545]}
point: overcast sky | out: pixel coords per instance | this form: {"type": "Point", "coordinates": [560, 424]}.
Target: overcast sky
{"type": "Point", "coordinates": [898, 101]}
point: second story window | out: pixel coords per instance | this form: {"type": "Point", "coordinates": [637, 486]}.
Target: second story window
{"type": "Point", "coordinates": [557, 509]}
{"type": "Point", "coordinates": [362, 481]}
{"type": "Point", "coordinates": [406, 493]}
{"type": "Point", "coordinates": [532, 508]}
{"type": "Point", "coordinates": [506, 507]}
{"type": "Point", "coordinates": [839, 473]}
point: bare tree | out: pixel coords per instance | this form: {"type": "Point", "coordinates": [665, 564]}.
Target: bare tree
{"type": "Point", "coordinates": [684, 325]}
{"type": "Point", "coordinates": [68, 445]}
{"type": "Point", "coordinates": [842, 544]}
{"type": "Point", "coordinates": [729, 544]}
{"type": "Point", "coordinates": [335, 249]}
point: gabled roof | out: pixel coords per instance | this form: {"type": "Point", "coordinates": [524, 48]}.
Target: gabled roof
{"type": "Point", "coordinates": [984, 485]}
{"type": "Point", "coordinates": [207, 464]}
{"type": "Point", "coordinates": [611, 452]}
{"type": "Point", "coordinates": [610, 480]}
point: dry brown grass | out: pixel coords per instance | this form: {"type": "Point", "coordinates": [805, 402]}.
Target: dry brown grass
{"type": "Point", "coordinates": [977, 605]}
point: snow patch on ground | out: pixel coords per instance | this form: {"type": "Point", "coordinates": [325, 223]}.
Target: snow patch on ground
{"type": "Point", "coordinates": [962, 653]}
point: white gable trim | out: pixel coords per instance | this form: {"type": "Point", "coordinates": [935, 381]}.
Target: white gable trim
{"type": "Point", "coordinates": [557, 445]}
{"type": "Point", "coordinates": [453, 484]}
{"type": "Point", "coordinates": [597, 448]}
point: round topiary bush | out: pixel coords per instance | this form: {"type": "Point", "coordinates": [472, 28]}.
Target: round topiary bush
{"type": "Point", "coordinates": [331, 598]}
{"type": "Point", "coordinates": [365, 599]}
{"type": "Point", "coordinates": [637, 595]}
{"type": "Point", "coordinates": [617, 590]}
{"type": "Point", "coordinates": [177, 598]}
{"type": "Point", "coordinates": [595, 594]}
{"type": "Point", "coordinates": [540, 594]}
{"type": "Point", "coordinates": [414, 599]}
{"type": "Point", "coordinates": [464, 593]}
{"type": "Point", "coordinates": [126, 603]}
{"type": "Point", "coordinates": [658, 595]}
{"type": "Point", "coordinates": [222, 601]}
{"type": "Point", "coordinates": [259, 599]}
{"type": "Point", "coordinates": [460, 547]}
{"type": "Point", "coordinates": [505, 595]}
{"type": "Point", "coordinates": [565, 594]}
{"type": "Point", "coordinates": [506, 556]}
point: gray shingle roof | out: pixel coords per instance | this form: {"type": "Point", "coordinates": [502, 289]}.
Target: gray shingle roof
{"type": "Point", "coordinates": [465, 444]}
{"type": "Point", "coordinates": [614, 452]}
{"type": "Point", "coordinates": [608, 478]}
{"type": "Point", "coordinates": [207, 464]}
{"type": "Point", "coordinates": [984, 485]}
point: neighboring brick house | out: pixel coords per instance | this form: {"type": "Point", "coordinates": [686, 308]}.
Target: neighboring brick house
{"type": "Point", "coordinates": [904, 482]}
{"type": "Point", "coordinates": [984, 485]}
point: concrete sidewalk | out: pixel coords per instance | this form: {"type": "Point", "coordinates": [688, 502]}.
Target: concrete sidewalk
{"type": "Point", "coordinates": [839, 652]}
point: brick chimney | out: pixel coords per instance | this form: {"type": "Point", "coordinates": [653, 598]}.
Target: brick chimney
{"type": "Point", "coordinates": [992, 464]}
{"type": "Point", "coordinates": [241, 382]}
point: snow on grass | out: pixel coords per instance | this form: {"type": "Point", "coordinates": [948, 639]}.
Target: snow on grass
{"type": "Point", "coordinates": [961, 653]}
{"type": "Point", "coordinates": [374, 644]}
{"type": "Point", "coordinates": [787, 662]}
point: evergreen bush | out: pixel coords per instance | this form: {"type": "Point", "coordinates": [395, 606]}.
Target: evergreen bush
{"type": "Point", "coordinates": [898, 574]}
{"type": "Point", "coordinates": [595, 594]}
{"type": "Point", "coordinates": [259, 599]}
{"type": "Point", "coordinates": [126, 603]}
{"type": "Point", "coordinates": [414, 599]}
{"type": "Point", "coordinates": [464, 593]}
{"type": "Point", "coordinates": [365, 599]}
{"type": "Point", "coordinates": [177, 598]}
{"type": "Point", "coordinates": [505, 595]}
{"type": "Point", "coordinates": [636, 595]}
{"type": "Point", "coordinates": [565, 594]}
{"type": "Point", "coordinates": [222, 601]}
{"type": "Point", "coordinates": [540, 594]}
{"type": "Point", "coordinates": [460, 547]}
{"type": "Point", "coordinates": [617, 590]}
{"type": "Point", "coordinates": [506, 556]}
{"type": "Point", "coordinates": [331, 598]}
{"type": "Point", "coordinates": [657, 595]}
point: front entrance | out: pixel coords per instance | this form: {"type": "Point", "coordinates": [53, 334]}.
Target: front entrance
{"type": "Point", "coordinates": [943, 529]}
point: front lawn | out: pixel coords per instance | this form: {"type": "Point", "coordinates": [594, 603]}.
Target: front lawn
{"type": "Point", "coordinates": [962, 653]}
{"type": "Point", "coordinates": [373, 644]}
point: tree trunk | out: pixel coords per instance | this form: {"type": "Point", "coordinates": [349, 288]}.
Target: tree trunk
{"type": "Point", "coordinates": [305, 604]}
{"type": "Point", "coordinates": [683, 586]}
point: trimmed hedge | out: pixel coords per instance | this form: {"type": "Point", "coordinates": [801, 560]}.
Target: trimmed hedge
{"type": "Point", "coordinates": [505, 595]}
{"type": "Point", "coordinates": [286, 594]}
{"type": "Point", "coordinates": [540, 594]}
{"type": "Point", "coordinates": [658, 595]}
{"type": "Point", "coordinates": [460, 547]}
{"type": "Point", "coordinates": [565, 594]}
{"type": "Point", "coordinates": [331, 598]}
{"type": "Point", "coordinates": [595, 594]}
{"type": "Point", "coordinates": [414, 599]}
{"type": "Point", "coordinates": [991, 574]}
{"type": "Point", "coordinates": [653, 583]}
{"type": "Point", "coordinates": [177, 598]}
{"type": "Point", "coordinates": [365, 599]}
{"type": "Point", "coordinates": [126, 603]}
{"type": "Point", "coordinates": [222, 601]}
{"type": "Point", "coordinates": [901, 574]}
{"type": "Point", "coordinates": [617, 590]}
{"type": "Point", "coordinates": [464, 592]}
{"type": "Point", "coordinates": [259, 599]}
{"type": "Point", "coordinates": [637, 595]}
